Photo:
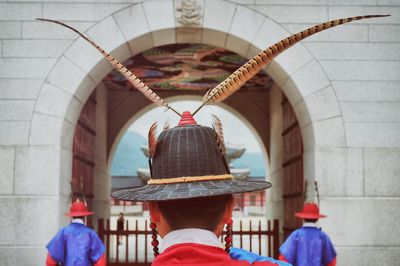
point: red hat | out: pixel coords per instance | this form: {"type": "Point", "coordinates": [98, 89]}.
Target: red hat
{"type": "Point", "coordinates": [78, 209]}
{"type": "Point", "coordinates": [310, 211]}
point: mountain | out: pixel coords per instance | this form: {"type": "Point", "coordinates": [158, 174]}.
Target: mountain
{"type": "Point", "coordinates": [254, 161]}
{"type": "Point", "coordinates": [128, 156]}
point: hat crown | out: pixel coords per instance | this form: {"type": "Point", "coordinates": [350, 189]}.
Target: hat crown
{"type": "Point", "coordinates": [311, 208]}
{"type": "Point", "coordinates": [186, 119]}
{"type": "Point", "coordinates": [78, 206]}
{"type": "Point", "coordinates": [190, 150]}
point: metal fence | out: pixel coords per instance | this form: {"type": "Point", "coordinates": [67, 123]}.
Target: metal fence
{"type": "Point", "coordinates": [132, 245]}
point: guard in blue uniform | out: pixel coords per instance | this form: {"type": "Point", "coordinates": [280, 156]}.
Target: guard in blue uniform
{"type": "Point", "coordinates": [308, 245]}
{"type": "Point", "coordinates": [76, 244]}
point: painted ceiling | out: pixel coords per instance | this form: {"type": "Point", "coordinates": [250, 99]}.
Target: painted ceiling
{"type": "Point", "coordinates": [184, 67]}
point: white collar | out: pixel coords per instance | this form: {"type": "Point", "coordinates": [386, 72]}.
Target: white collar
{"type": "Point", "coordinates": [310, 225]}
{"type": "Point", "coordinates": [190, 235]}
{"type": "Point", "coordinates": [77, 221]}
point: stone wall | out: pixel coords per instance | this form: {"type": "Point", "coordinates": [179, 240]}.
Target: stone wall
{"type": "Point", "coordinates": [343, 83]}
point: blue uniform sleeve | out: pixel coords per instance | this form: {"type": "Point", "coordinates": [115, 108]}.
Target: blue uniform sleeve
{"type": "Point", "coordinates": [289, 248]}
{"type": "Point", "coordinates": [56, 247]}
{"type": "Point", "coordinates": [96, 247]}
{"type": "Point", "coordinates": [328, 251]}
{"type": "Point", "coordinates": [241, 254]}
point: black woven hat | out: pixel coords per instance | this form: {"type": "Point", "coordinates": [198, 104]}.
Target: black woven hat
{"type": "Point", "coordinates": [188, 162]}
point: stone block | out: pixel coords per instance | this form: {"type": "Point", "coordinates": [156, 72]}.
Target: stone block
{"type": "Point", "coordinates": [347, 33]}
{"type": "Point", "coordinates": [17, 110]}
{"type": "Point", "coordinates": [20, 88]}
{"type": "Point", "coordinates": [246, 23]}
{"type": "Point", "coordinates": [159, 14]}
{"type": "Point", "coordinates": [34, 48]}
{"type": "Point", "coordinates": [309, 163]}
{"type": "Point", "coordinates": [354, 51]}
{"type": "Point", "coordinates": [84, 58]}
{"type": "Point", "coordinates": [163, 37]}
{"type": "Point", "coordinates": [107, 34]}
{"type": "Point", "coordinates": [269, 33]}
{"type": "Point", "coordinates": [339, 172]}
{"type": "Point", "coordinates": [188, 35]}
{"type": "Point", "coordinates": [384, 33]}
{"type": "Point", "coordinates": [243, 2]}
{"type": "Point", "coordinates": [388, 2]}
{"type": "Point", "coordinates": [212, 15]}
{"type": "Point", "coordinates": [37, 170]}
{"type": "Point", "coordinates": [25, 67]}
{"type": "Point", "coordinates": [49, 130]}
{"type": "Point", "coordinates": [28, 221]}
{"type": "Point", "coordinates": [132, 21]}
{"type": "Point", "coordinates": [14, 132]}
{"type": "Point", "coordinates": [10, 29]}
{"type": "Point", "coordinates": [382, 171]}
{"type": "Point", "coordinates": [372, 134]}
{"type": "Point", "coordinates": [46, 30]}
{"type": "Point", "coordinates": [322, 104]}
{"type": "Point", "coordinates": [213, 37]}
{"type": "Point", "coordinates": [20, 11]}
{"type": "Point", "coordinates": [85, 89]}
{"type": "Point", "coordinates": [307, 133]}
{"type": "Point", "coordinates": [318, 2]}
{"type": "Point", "coordinates": [92, 61]}
{"type": "Point", "coordinates": [237, 45]}
{"type": "Point", "coordinates": [370, 111]}
{"type": "Point", "coordinates": [362, 221]}
{"type": "Point", "coordinates": [329, 132]}
{"type": "Point", "coordinates": [7, 155]}
{"type": "Point", "coordinates": [65, 172]}
{"type": "Point", "coordinates": [367, 90]}
{"type": "Point", "coordinates": [279, 75]}
{"type": "Point", "coordinates": [66, 75]}
{"type": "Point", "coordinates": [302, 113]}
{"type": "Point", "coordinates": [141, 43]}
{"type": "Point", "coordinates": [309, 78]}
{"type": "Point", "coordinates": [67, 135]}
{"type": "Point", "coordinates": [362, 70]}
{"type": "Point", "coordinates": [336, 12]}
{"type": "Point", "coordinates": [368, 256]}
{"type": "Point", "coordinates": [22, 255]}
{"type": "Point", "coordinates": [295, 14]}
{"type": "Point", "coordinates": [294, 58]}
{"type": "Point", "coordinates": [49, 95]}
{"type": "Point", "coordinates": [73, 110]}
{"type": "Point", "coordinates": [80, 11]}
{"type": "Point", "coordinates": [110, 38]}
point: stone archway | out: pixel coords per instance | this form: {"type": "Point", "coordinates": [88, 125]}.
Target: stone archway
{"type": "Point", "coordinates": [79, 70]}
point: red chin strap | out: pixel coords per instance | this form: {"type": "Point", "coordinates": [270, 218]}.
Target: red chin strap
{"type": "Point", "coordinates": [186, 119]}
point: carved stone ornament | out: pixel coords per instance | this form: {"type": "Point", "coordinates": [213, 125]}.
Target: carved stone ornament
{"type": "Point", "coordinates": [189, 12]}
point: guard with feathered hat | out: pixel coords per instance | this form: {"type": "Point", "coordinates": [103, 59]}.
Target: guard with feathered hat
{"type": "Point", "coordinates": [190, 190]}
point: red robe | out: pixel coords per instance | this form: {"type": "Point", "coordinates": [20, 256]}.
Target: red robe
{"type": "Point", "coordinates": [189, 254]}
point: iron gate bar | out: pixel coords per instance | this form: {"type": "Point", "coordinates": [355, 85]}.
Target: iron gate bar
{"type": "Point", "coordinates": [271, 233]}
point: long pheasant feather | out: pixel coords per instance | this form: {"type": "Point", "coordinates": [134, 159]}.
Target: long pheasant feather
{"type": "Point", "coordinates": [134, 80]}
{"type": "Point", "coordinates": [232, 83]}
{"type": "Point", "coordinates": [152, 139]}
{"type": "Point", "coordinates": [217, 125]}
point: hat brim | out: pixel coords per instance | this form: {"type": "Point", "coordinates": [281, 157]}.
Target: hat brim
{"type": "Point", "coordinates": [78, 214]}
{"type": "Point", "coordinates": [162, 192]}
{"type": "Point", "coordinates": [304, 215]}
